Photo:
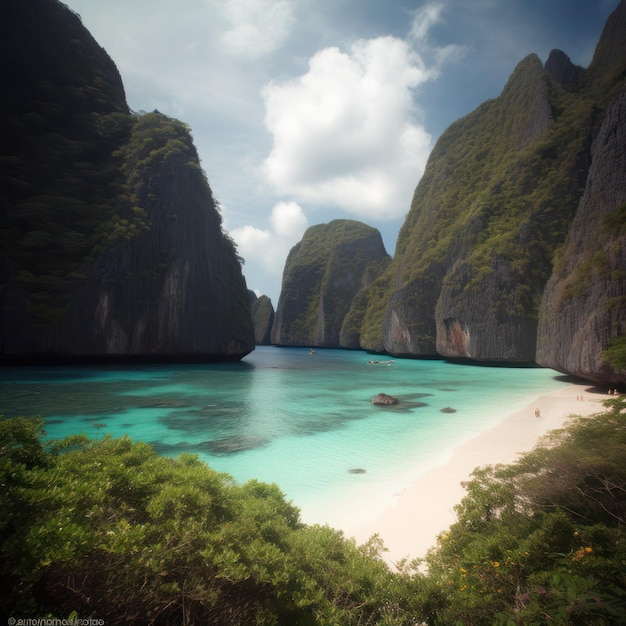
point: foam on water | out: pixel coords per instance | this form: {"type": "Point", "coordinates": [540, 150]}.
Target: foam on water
{"type": "Point", "coordinates": [305, 422]}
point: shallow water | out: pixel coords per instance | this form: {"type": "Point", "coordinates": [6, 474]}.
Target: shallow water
{"type": "Point", "coordinates": [305, 422]}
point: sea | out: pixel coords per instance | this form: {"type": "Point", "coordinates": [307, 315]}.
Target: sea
{"type": "Point", "coordinates": [302, 420]}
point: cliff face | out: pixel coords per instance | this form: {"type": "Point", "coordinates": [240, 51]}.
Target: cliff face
{"type": "Point", "coordinates": [473, 253]}
{"type": "Point", "coordinates": [174, 286]}
{"type": "Point", "coordinates": [584, 304]}
{"type": "Point", "coordinates": [503, 189]}
{"type": "Point", "coordinates": [262, 319]}
{"type": "Point", "coordinates": [323, 274]}
{"type": "Point", "coordinates": [112, 244]}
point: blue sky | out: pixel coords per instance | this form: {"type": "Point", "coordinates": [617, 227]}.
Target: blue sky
{"type": "Point", "coordinates": [304, 111]}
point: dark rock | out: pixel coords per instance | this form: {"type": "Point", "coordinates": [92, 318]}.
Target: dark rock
{"type": "Point", "coordinates": [582, 308]}
{"type": "Point", "coordinates": [356, 470]}
{"type": "Point", "coordinates": [262, 320]}
{"type": "Point", "coordinates": [560, 68]}
{"type": "Point", "coordinates": [230, 445]}
{"type": "Point", "coordinates": [382, 399]}
{"type": "Point", "coordinates": [583, 303]}
{"type": "Point", "coordinates": [164, 404]}
{"type": "Point", "coordinates": [610, 52]}
{"type": "Point", "coordinates": [448, 409]}
{"type": "Point", "coordinates": [135, 264]}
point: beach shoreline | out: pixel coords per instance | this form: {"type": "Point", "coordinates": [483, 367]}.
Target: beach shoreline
{"type": "Point", "coordinates": [416, 516]}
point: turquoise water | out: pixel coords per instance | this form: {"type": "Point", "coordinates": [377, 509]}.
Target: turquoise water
{"type": "Point", "coordinates": [281, 415]}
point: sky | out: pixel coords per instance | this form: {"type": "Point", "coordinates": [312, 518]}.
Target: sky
{"type": "Point", "coordinates": [305, 111]}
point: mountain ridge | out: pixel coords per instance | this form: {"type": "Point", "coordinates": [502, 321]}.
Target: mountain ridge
{"type": "Point", "coordinates": [508, 230]}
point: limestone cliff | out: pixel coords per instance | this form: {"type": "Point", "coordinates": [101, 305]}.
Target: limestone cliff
{"type": "Point", "coordinates": [323, 274]}
{"type": "Point", "coordinates": [583, 311]}
{"type": "Point", "coordinates": [262, 318]}
{"type": "Point", "coordinates": [474, 251]}
{"type": "Point", "coordinates": [492, 212]}
{"type": "Point", "coordinates": [112, 246]}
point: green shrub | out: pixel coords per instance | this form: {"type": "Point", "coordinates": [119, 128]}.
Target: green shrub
{"type": "Point", "coordinates": [542, 541]}
{"type": "Point", "coordinates": [110, 529]}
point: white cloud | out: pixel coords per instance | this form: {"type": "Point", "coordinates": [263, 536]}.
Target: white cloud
{"type": "Point", "coordinates": [269, 247]}
{"type": "Point", "coordinates": [423, 20]}
{"type": "Point", "coordinates": [346, 132]}
{"type": "Point", "coordinates": [288, 220]}
{"type": "Point", "coordinates": [257, 27]}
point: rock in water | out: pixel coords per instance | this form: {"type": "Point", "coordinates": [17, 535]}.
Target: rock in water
{"type": "Point", "coordinates": [383, 399]}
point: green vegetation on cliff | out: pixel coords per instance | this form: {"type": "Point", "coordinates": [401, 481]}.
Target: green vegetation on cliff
{"type": "Point", "coordinates": [109, 529]}
{"type": "Point", "coordinates": [491, 212]}
{"type": "Point", "coordinates": [71, 199]}
{"type": "Point", "coordinates": [63, 195]}
{"type": "Point", "coordinates": [62, 116]}
{"type": "Point", "coordinates": [110, 239]}
{"type": "Point", "coordinates": [367, 314]}
{"type": "Point", "coordinates": [615, 354]}
{"type": "Point", "coordinates": [498, 185]}
{"type": "Point", "coordinates": [323, 274]}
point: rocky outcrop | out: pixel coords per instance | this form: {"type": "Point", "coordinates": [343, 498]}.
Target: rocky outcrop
{"type": "Point", "coordinates": [323, 274]}
{"type": "Point", "coordinates": [610, 52]}
{"type": "Point", "coordinates": [262, 319]}
{"type": "Point", "coordinates": [584, 303]}
{"type": "Point", "coordinates": [561, 69]}
{"type": "Point", "coordinates": [52, 67]}
{"type": "Point", "coordinates": [486, 308]}
{"type": "Point", "coordinates": [409, 326]}
{"type": "Point", "coordinates": [474, 251]}
{"type": "Point", "coordinates": [583, 311]}
{"type": "Point", "coordinates": [113, 247]}
{"type": "Point", "coordinates": [384, 399]}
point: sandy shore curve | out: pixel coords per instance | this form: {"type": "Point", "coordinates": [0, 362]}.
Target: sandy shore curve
{"type": "Point", "coordinates": [409, 527]}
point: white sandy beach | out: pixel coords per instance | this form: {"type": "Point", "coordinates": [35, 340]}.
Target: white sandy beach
{"type": "Point", "coordinates": [411, 525]}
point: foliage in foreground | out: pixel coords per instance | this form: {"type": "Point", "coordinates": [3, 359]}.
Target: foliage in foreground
{"type": "Point", "coordinates": [109, 529]}
{"type": "Point", "coordinates": [112, 530]}
{"type": "Point", "coordinates": [541, 541]}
